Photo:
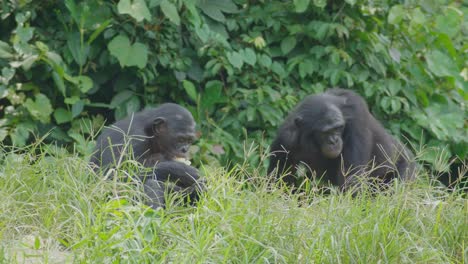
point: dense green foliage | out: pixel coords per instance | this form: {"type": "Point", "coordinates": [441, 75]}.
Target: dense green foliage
{"type": "Point", "coordinates": [55, 209]}
{"type": "Point", "coordinates": [238, 65]}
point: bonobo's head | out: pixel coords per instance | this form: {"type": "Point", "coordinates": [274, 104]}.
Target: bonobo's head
{"type": "Point", "coordinates": [320, 124]}
{"type": "Point", "coordinates": [172, 130]}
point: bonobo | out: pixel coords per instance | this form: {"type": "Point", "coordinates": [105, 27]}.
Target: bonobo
{"type": "Point", "coordinates": [335, 135]}
{"type": "Point", "coordinates": [160, 139]}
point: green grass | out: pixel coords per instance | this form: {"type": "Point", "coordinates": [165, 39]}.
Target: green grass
{"type": "Point", "coordinates": [55, 209]}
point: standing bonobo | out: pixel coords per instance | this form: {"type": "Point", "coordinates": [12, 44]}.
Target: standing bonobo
{"type": "Point", "coordinates": [160, 139]}
{"type": "Point", "coordinates": [336, 136]}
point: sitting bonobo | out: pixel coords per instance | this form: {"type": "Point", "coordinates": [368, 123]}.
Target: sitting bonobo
{"type": "Point", "coordinates": [160, 139]}
{"type": "Point", "coordinates": [334, 135]}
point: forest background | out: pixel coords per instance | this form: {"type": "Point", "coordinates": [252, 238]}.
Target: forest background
{"type": "Point", "coordinates": [239, 66]}
{"type": "Point", "coordinates": [68, 67]}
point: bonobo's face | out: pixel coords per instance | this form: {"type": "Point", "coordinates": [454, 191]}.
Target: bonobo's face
{"type": "Point", "coordinates": [182, 139]}
{"type": "Point", "coordinates": [331, 142]}
{"type": "Point", "coordinates": [324, 131]}
{"type": "Point", "coordinates": [178, 137]}
{"type": "Point", "coordinates": [174, 132]}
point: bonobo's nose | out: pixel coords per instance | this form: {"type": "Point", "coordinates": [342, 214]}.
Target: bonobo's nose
{"type": "Point", "coordinates": [185, 149]}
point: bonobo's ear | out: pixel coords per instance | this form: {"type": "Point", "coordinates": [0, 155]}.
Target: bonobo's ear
{"type": "Point", "coordinates": [298, 121]}
{"type": "Point", "coordinates": [291, 133]}
{"type": "Point", "coordinates": [159, 125]}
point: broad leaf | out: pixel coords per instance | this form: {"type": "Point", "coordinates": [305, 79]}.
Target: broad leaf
{"type": "Point", "coordinates": [320, 3]}
{"type": "Point", "coordinates": [307, 67]}
{"type": "Point", "coordinates": [215, 8]}
{"type": "Point", "coordinates": [190, 90]}
{"type": "Point", "coordinates": [77, 108]}
{"type": "Point", "coordinates": [78, 51]}
{"type": "Point", "coordinates": [212, 94]}
{"type": "Point", "coordinates": [235, 59]}
{"type": "Point", "coordinates": [396, 14]}
{"type": "Point", "coordinates": [135, 8]}
{"type": "Point", "coordinates": [6, 52]}
{"type": "Point", "coordinates": [84, 83]}
{"type": "Point", "coordinates": [441, 64]}
{"type": "Point", "coordinates": [288, 44]}
{"type": "Point", "coordinates": [127, 54]}
{"type": "Point", "coordinates": [58, 80]}
{"type": "Point", "coordinates": [121, 97]}
{"type": "Point", "coordinates": [301, 5]}
{"type": "Point", "coordinates": [40, 109]}
{"type": "Point", "coordinates": [62, 115]}
{"type": "Point", "coordinates": [449, 23]}
{"type": "Point", "coordinates": [170, 11]}
{"type": "Point", "coordinates": [248, 55]}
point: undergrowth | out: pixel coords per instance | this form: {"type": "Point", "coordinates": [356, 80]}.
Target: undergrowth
{"type": "Point", "coordinates": [56, 209]}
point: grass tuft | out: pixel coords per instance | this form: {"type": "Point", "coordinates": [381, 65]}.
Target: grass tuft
{"type": "Point", "coordinates": [56, 209]}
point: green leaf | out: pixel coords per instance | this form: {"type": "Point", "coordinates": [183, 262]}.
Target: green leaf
{"type": "Point", "coordinates": [170, 11]}
{"type": "Point", "coordinates": [418, 17]}
{"type": "Point", "coordinates": [127, 54]}
{"type": "Point", "coordinates": [84, 83]}
{"type": "Point", "coordinates": [26, 63]}
{"type": "Point", "coordinates": [40, 109]}
{"type": "Point", "coordinates": [77, 108]}
{"type": "Point", "coordinates": [98, 31]}
{"type": "Point", "coordinates": [24, 34]}
{"type": "Point", "coordinates": [20, 134]}
{"type": "Point", "coordinates": [190, 90]}
{"type": "Point", "coordinates": [248, 55]}
{"type": "Point", "coordinates": [235, 59]}
{"type": "Point", "coordinates": [320, 3]}
{"type": "Point", "coordinates": [120, 98]}
{"type": "Point", "coordinates": [7, 75]}
{"type": "Point", "coordinates": [62, 115]}
{"type": "Point", "coordinates": [441, 64]}
{"type": "Point", "coordinates": [132, 105]}
{"type": "Point", "coordinates": [351, 2]}
{"type": "Point", "coordinates": [301, 5]}
{"type": "Point", "coordinates": [278, 69]}
{"type": "Point", "coordinates": [215, 8]}
{"type": "Point", "coordinates": [449, 23]}
{"type": "Point", "coordinates": [78, 51]}
{"type": "Point", "coordinates": [58, 80]}
{"type": "Point", "coordinates": [3, 133]}
{"type": "Point", "coordinates": [128, 107]}
{"type": "Point", "coordinates": [265, 61]}
{"type": "Point", "coordinates": [73, 9]}
{"type": "Point", "coordinates": [307, 67]}
{"type": "Point", "coordinates": [71, 100]}
{"type": "Point", "coordinates": [396, 14]}
{"type": "Point", "coordinates": [136, 9]}
{"type": "Point", "coordinates": [212, 94]}
{"type": "Point", "coordinates": [288, 44]}
{"type": "Point", "coordinates": [6, 52]}
{"type": "Point", "coordinates": [394, 86]}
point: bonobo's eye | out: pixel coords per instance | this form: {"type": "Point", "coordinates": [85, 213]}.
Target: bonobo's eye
{"type": "Point", "coordinates": [339, 130]}
{"type": "Point", "coordinates": [185, 140]}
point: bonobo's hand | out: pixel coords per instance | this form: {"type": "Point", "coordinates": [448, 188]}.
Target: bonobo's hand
{"type": "Point", "coordinates": [181, 174]}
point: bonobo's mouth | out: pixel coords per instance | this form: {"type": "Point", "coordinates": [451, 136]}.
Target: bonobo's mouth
{"type": "Point", "coordinates": [183, 160]}
{"type": "Point", "coordinates": [331, 151]}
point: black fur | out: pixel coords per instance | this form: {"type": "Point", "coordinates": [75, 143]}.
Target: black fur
{"type": "Point", "coordinates": [156, 137]}
{"type": "Point", "coordinates": [364, 142]}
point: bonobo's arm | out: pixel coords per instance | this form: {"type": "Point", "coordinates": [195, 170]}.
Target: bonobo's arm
{"type": "Point", "coordinates": [156, 190]}
{"type": "Point", "coordinates": [281, 160]}
{"type": "Point", "coordinates": [181, 174]}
